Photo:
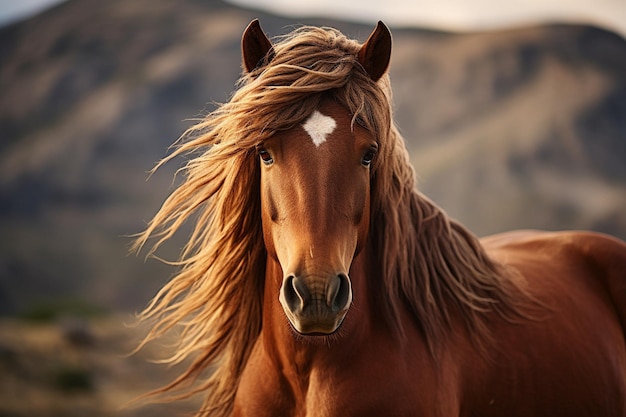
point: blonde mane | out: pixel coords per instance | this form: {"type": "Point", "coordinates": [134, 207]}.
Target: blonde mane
{"type": "Point", "coordinates": [427, 260]}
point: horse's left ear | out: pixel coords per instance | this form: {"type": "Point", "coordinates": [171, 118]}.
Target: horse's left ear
{"type": "Point", "coordinates": [375, 53]}
{"type": "Point", "coordinates": [255, 46]}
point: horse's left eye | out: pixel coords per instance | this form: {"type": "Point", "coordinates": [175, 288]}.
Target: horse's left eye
{"type": "Point", "coordinates": [368, 157]}
{"type": "Point", "coordinates": [265, 156]}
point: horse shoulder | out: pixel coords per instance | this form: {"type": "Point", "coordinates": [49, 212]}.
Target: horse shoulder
{"type": "Point", "coordinates": [606, 257]}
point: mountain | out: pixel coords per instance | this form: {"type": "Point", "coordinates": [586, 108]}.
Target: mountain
{"type": "Point", "coordinates": [521, 128]}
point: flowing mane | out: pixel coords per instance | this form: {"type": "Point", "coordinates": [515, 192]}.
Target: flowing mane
{"type": "Point", "coordinates": [428, 262]}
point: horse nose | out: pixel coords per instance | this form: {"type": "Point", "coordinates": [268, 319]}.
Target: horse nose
{"type": "Point", "coordinates": [316, 306]}
{"type": "Point", "coordinates": [338, 295]}
{"type": "Point", "coordinates": [295, 293]}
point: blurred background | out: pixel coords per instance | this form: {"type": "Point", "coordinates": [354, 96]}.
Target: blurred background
{"type": "Point", "coordinates": [514, 114]}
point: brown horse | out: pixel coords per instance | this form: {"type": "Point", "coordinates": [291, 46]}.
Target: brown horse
{"type": "Point", "coordinates": [319, 282]}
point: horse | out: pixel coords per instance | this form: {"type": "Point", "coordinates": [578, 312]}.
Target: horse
{"type": "Point", "coordinates": [317, 280]}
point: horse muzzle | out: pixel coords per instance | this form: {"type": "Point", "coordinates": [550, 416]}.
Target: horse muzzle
{"type": "Point", "coordinates": [315, 305]}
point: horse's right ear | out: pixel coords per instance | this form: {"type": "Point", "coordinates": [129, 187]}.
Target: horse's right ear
{"type": "Point", "coordinates": [255, 47]}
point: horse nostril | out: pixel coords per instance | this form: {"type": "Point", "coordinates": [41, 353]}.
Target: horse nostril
{"type": "Point", "coordinates": [295, 293]}
{"type": "Point", "coordinates": [339, 293]}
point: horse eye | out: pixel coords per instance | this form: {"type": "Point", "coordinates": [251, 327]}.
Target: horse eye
{"type": "Point", "coordinates": [265, 156]}
{"type": "Point", "coordinates": [360, 121]}
{"type": "Point", "coordinates": [368, 157]}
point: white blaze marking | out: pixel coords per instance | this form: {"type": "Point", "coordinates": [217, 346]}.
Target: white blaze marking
{"type": "Point", "coordinates": [319, 127]}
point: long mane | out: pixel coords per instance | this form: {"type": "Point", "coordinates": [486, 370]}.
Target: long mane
{"type": "Point", "coordinates": [427, 260]}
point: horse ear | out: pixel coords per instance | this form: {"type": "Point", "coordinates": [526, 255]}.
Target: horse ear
{"type": "Point", "coordinates": [255, 46]}
{"type": "Point", "coordinates": [375, 53]}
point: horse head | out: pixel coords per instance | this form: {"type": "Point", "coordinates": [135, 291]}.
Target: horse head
{"type": "Point", "coordinates": [315, 195]}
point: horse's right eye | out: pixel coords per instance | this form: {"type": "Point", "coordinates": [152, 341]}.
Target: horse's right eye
{"type": "Point", "coordinates": [265, 156]}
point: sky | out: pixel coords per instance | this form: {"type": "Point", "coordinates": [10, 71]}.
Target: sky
{"type": "Point", "coordinates": [458, 15]}
{"type": "Point", "coordinates": [461, 15]}
{"type": "Point", "coordinates": [12, 10]}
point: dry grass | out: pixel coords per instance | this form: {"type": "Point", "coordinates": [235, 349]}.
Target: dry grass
{"type": "Point", "coordinates": [74, 367]}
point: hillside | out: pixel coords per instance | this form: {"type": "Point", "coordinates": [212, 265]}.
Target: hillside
{"type": "Point", "coordinates": [524, 128]}
{"type": "Point", "coordinates": [520, 129]}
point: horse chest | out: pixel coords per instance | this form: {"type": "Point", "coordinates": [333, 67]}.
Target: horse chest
{"type": "Point", "coordinates": [326, 397]}
{"type": "Point", "coordinates": [364, 386]}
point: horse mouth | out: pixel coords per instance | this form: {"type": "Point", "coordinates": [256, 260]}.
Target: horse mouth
{"type": "Point", "coordinates": [314, 326]}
